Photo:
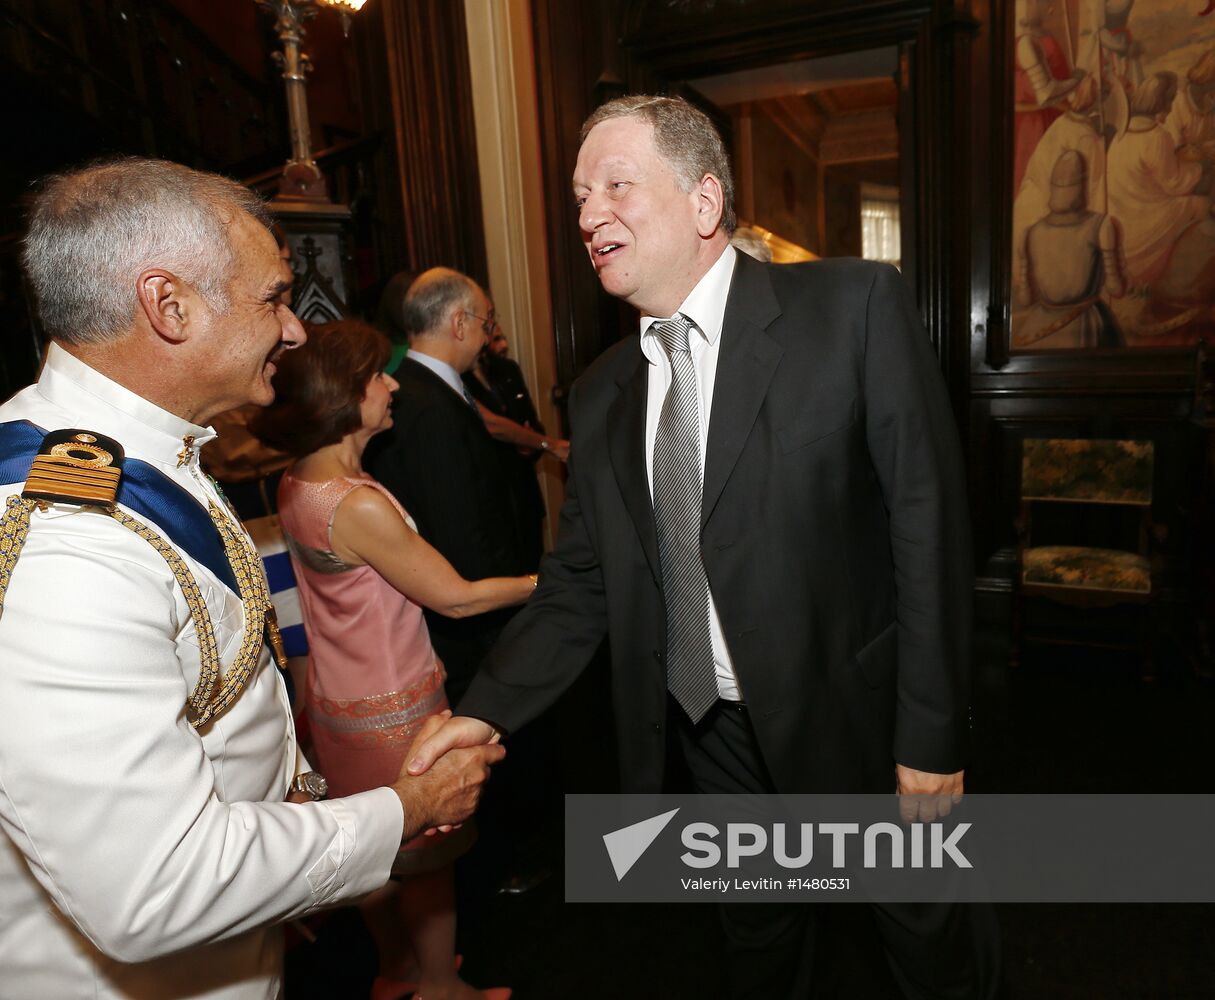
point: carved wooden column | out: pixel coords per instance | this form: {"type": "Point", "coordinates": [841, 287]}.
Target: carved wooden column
{"type": "Point", "coordinates": [318, 234]}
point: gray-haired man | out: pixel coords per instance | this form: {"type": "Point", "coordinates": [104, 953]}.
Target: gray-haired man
{"type": "Point", "coordinates": [147, 756]}
{"type": "Point", "coordinates": [765, 517]}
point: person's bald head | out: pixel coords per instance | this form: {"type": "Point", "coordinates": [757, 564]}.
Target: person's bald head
{"type": "Point", "coordinates": [448, 316]}
{"type": "Point", "coordinates": [433, 297]}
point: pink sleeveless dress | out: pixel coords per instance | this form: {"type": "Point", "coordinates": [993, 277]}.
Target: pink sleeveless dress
{"type": "Point", "coordinates": [373, 676]}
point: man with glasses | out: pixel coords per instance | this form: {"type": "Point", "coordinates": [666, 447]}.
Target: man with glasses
{"type": "Point", "coordinates": [443, 465]}
{"type": "Point", "coordinates": [455, 479]}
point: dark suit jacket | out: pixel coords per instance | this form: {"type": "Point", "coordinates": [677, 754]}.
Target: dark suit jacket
{"type": "Point", "coordinates": [440, 462]}
{"type": "Point", "coordinates": [834, 536]}
{"type": "Point", "coordinates": [507, 393]}
{"type": "Point", "coordinates": [507, 396]}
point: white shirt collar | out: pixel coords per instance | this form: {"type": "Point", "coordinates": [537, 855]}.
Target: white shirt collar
{"type": "Point", "coordinates": [705, 306]}
{"type": "Point", "coordinates": [101, 404]}
{"type": "Point", "coordinates": [441, 368]}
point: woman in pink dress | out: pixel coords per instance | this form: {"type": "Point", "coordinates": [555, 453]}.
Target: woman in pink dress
{"type": "Point", "coordinates": [364, 576]}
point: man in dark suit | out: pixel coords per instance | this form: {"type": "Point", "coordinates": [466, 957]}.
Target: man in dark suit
{"type": "Point", "coordinates": [766, 516]}
{"type": "Point", "coordinates": [441, 463]}
{"type": "Point", "coordinates": [457, 483]}
{"type": "Point", "coordinates": [497, 384]}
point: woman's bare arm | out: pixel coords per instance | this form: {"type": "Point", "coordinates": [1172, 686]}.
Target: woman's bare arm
{"type": "Point", "coordinates": [368, 529]}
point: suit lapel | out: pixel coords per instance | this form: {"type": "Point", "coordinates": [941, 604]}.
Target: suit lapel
{"type": "Point", "coordinates": [746, 362]}
{"type": "Point", "coordinates": [626, 450]}
{"type": "Point", "coordinates": [427, 377]}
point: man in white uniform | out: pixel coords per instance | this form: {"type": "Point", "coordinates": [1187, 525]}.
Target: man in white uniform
{"type": "Point", "coordinates": [150, 836]}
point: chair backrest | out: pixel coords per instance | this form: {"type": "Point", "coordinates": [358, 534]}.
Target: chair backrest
{"type": "Point", "coordinates": [1085, 470]}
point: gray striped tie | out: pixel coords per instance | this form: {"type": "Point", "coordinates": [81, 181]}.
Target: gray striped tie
{"type": "Point", "coordinates": [677, 486]}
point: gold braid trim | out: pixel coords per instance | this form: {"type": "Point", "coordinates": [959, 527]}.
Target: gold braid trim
{"type": "Point", "coordinates": [255, 595]}
{"type": "Point", "coordinates": [208, 655]}
{"type": "Point", "coordinates": [14, 526]}
{"type": "Point", "coordinates": [205, 702]}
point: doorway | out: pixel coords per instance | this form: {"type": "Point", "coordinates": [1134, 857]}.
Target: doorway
{"type": "Point", "coordinates": [815, 149]}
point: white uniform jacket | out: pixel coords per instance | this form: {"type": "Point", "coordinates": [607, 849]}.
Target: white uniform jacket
{"type": "Point", "coordinates": [140, 858]}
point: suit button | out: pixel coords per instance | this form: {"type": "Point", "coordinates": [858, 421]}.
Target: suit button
{"type": "Point", "coordinates": [658, 727]}
{"type": "Point", "coordinates": [659, 656]}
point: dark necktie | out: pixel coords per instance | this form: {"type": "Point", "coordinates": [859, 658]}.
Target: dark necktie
{"type": "Point", "coordinates": [469, 398]}
{"type": "Point", "coordinates": [677, 485]}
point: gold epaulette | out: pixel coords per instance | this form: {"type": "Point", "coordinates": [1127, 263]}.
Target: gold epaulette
{"type": "Point", "coordinates": [77, 467]}
{"type": "Point", "coordinates": [84, 468]}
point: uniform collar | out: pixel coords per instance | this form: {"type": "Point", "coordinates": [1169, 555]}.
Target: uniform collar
{"type": "Point", "coordinates": [705, 306]}
{"type": "Point", "coordinates": [101, 404]}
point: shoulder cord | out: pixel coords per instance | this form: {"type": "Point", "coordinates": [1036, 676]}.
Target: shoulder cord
{"type": "Point", "coordinates": [205, 702]}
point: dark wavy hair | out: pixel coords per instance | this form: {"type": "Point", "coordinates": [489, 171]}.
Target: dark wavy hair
{"type": "Point", "coordinates": [319, 387]}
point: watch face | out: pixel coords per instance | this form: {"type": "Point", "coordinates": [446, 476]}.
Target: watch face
{"type": "Point", "coordinates": [313, 783]}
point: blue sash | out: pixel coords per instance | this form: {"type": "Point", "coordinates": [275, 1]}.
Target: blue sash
{"type": "Point", "coordinates": [143, 489]}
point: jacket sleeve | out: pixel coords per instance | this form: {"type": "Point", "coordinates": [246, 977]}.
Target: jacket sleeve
{"type": "Point", "coordinates": [552, 639]}
{"type": "Point", "coordinates": [109, 794]}
{"type": "Point", "coordinates": [913, 443]}
{"type": "Point", "coordinates": [434, 467]}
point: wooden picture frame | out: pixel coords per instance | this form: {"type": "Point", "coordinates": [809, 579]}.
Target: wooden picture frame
{"type": "Point", "coordinates": [1147, 345]}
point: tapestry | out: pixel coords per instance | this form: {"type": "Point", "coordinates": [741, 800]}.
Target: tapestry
{"type": "Point", "coordinates": [1113, 160]}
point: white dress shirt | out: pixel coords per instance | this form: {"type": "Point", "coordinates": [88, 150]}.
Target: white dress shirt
{"type": "Point", "coordinates": [705, 306]}
{"type": "Point", "coordinates": [127, 835]}
{"type": "Point", "coordinates": [441, 368]}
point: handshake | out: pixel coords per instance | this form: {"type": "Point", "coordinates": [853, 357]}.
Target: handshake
{"type": "Point", "coordinates": [445, 772]}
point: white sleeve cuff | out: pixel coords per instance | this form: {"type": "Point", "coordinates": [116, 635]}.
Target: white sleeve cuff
{"type": "Point", "coordinates": [360, 856]}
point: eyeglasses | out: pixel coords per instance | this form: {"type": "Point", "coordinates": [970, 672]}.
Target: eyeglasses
{"type": "Point", "coordinates": [488, 324]}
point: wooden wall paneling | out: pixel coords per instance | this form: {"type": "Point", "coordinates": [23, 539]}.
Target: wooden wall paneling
{"type": "Point", "coordinates": [1001, 421]}
{"type": "Point", "coordinates": [147, 77]}
{"type": "Point", "coordinates": [680, 39]}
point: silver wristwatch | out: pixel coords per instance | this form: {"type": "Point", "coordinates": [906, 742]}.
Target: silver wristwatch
{"type": "Point", "coordinates": [312, 784]}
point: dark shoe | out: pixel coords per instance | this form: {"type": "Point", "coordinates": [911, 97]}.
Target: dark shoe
{"type": "Point", "coordinates": [521, 882]}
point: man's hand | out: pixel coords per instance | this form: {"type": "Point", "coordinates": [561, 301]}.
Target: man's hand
{"type": "Point", "coordinates": [925, 796]}
{"type": "Point", "coordinates": [460, 731]}
{"type": "Point", "coordinates": [447, 793]}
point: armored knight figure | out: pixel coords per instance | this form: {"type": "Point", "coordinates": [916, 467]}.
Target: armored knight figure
{"type": "Point", "coordinates": [1068, 259]}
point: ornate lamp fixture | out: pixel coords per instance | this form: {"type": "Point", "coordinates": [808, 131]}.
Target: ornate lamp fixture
{"type": "Point", "coordinates": [302, 179]}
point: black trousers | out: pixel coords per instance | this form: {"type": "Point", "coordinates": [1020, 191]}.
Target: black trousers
{"type": "Point", "coordinates": [937, 951]}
